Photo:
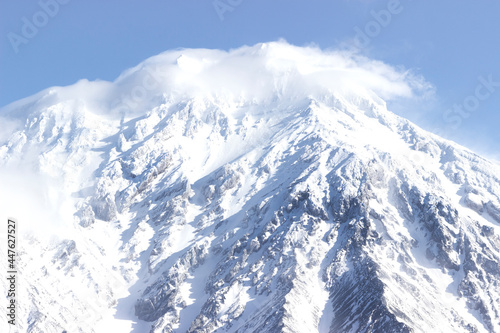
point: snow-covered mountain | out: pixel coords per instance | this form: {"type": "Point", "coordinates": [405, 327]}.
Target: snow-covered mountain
{"type": "Point", "coordinates": [264, 189]}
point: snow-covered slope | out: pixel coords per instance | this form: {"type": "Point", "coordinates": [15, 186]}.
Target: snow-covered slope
{"type": "Point", "coordinates": [264, 189]}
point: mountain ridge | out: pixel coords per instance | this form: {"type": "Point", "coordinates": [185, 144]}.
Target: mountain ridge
{"type": "Point", "coordinates": [265, 210]}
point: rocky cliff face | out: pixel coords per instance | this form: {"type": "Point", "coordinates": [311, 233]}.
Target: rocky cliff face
{"type": "Point", "coordinates": [314, 213]}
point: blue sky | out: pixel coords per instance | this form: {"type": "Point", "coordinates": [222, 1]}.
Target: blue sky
{"type": "Point", "coordinates": [452, 43]}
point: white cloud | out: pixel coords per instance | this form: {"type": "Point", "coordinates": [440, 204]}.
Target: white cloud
{"type": "Point", "coordinates": [265, 71]}
{"type": "Point", "coordinates": [258, 72]}
{"type": "Point", "coordinates": [37, 203]}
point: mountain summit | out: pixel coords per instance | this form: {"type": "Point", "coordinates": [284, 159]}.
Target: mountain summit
{"type": "Point", "coordinates": [263, 189]}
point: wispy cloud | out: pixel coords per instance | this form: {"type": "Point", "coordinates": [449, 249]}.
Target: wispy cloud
{"type": "Point", "coordinates": [268, 70]}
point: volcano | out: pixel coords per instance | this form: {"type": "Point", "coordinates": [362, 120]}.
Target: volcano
{"type": "Point", "coordinates": [263, 189]}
